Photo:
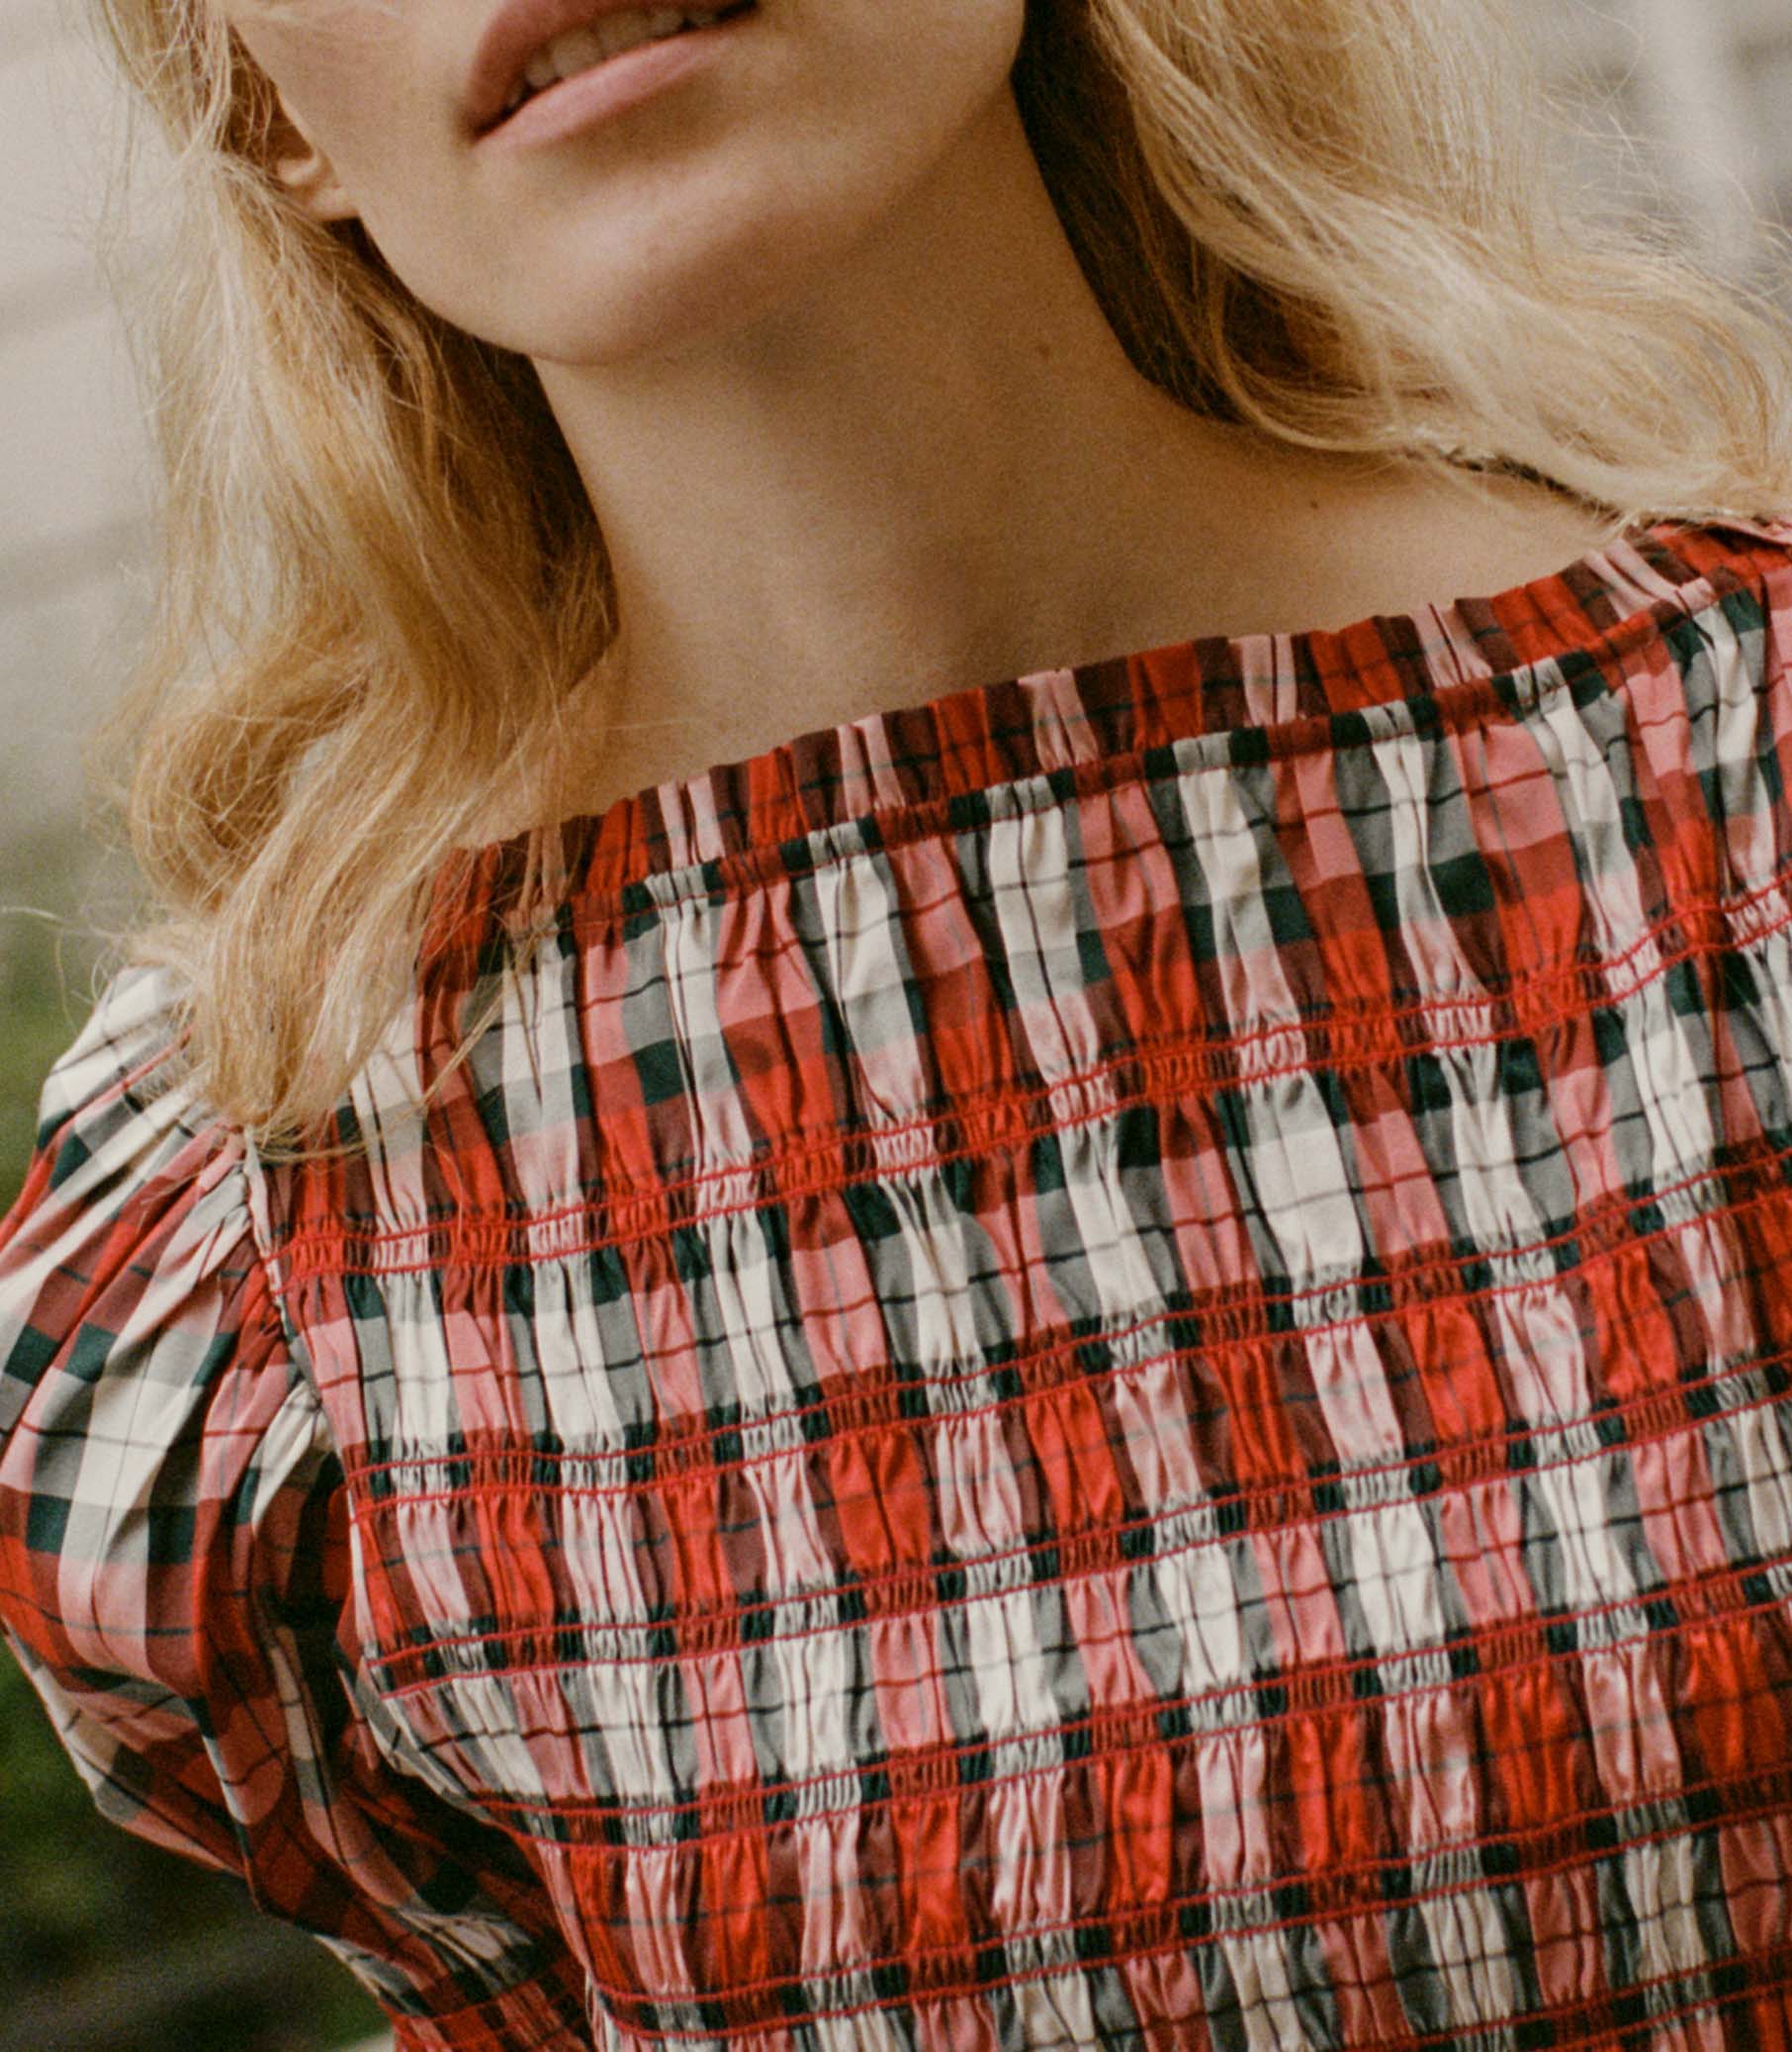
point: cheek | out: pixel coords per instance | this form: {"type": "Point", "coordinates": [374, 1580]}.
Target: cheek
{"type": "Point", "coordinates": [346, 77]}
{"type": "Point", "coordinates": [956, 47]}
{"type": "Point", "coordinates": [910, 81]}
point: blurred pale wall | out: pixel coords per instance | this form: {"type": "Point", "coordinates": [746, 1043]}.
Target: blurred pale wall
{"type": "Point", "coordinates": [1711, 78]}
{"type": "Point", "coordinates": [73, 470]}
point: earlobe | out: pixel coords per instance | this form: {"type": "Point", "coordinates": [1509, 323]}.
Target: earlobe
{"type": "Point", "coordinates": [316, 187]}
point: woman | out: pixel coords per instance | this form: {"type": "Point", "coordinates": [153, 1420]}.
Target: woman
{"type": "Point", "coordinates": [923, 1225]}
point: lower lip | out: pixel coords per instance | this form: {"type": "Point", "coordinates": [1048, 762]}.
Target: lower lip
{"type": "Point", "coordinates": [618, 83]}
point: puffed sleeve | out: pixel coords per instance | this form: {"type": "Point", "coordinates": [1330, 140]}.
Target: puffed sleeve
{"type": "Point", "coordinates": [174, 1559]}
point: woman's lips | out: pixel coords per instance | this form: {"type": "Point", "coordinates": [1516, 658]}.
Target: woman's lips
{"type": "Point", "coordinates": [620, 81]}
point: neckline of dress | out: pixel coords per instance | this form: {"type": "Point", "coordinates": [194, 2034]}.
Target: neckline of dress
{"type": "Point", "coordinates": [1247, 697]}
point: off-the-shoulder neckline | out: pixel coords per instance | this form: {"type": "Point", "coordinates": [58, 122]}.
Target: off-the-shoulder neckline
{"type": "Point", "coordinates": [1217, 687]}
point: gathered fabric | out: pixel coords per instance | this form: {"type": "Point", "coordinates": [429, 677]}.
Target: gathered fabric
{"type": "Point", "coordinates": [1107, 1363]}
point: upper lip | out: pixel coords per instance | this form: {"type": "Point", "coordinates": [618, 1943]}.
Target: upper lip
{"type": "Point", "coordinates": [513, 36]}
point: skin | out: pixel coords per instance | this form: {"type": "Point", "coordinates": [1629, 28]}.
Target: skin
{"type": "Point", "coordinates": [855, 426]}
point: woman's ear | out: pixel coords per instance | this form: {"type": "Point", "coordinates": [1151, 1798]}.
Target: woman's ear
{"type": "Point", "coordinates": [304, 169]}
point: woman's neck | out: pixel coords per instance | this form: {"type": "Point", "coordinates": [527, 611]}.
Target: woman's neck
{"type": "Point", "coordinates": [940, 469]}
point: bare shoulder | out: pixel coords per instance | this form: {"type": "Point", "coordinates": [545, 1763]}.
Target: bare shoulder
{"type": "Point", "coordinates": [1337, 541]}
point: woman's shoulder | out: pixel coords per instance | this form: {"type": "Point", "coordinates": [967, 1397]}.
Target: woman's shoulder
{"type": "Point", "coordinates": [118, 1105]}
{"type": "Point", "coordinates": [134, 1213]}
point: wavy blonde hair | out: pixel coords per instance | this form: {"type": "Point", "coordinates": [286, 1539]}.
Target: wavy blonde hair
{"type": "Point", "coordinates": [1338, 220]}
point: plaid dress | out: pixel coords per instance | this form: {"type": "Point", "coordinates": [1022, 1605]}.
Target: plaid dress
{"type": "Point", "coordinates": [1104, 1364]}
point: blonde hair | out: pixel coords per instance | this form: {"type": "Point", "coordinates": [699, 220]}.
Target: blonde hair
{"type": "Point", "coordinates": [1337, 221]}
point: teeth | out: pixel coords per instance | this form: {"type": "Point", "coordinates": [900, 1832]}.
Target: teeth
{"type": "Point", "coordinates": [578, 49]}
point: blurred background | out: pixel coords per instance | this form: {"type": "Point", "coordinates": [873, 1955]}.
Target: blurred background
{"type": "Point", "coordinates": [105, 1942]}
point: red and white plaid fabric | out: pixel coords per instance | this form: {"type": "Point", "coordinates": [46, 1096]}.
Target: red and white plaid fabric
{"type": "Point", "coordinates": [1104, 1364]}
